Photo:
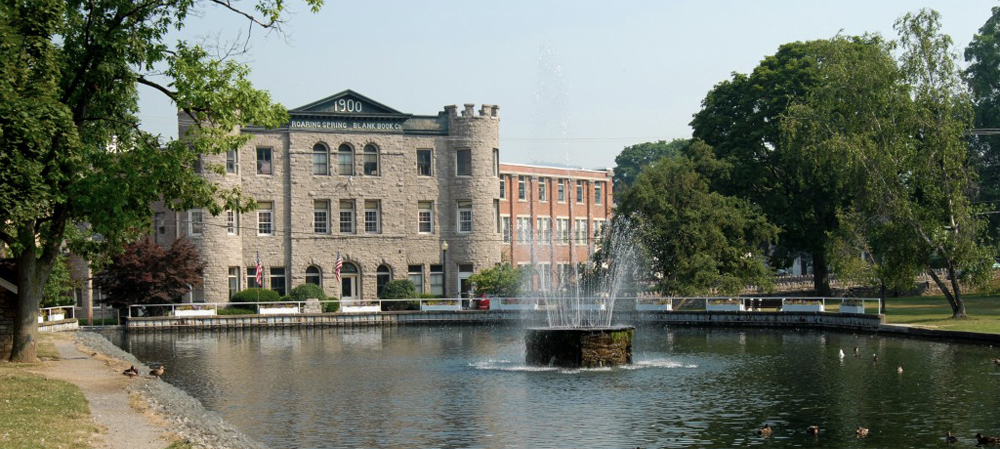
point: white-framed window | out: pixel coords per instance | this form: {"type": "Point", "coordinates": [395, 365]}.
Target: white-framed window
{"type": "Point", "coordinates": [564, 273]}
{"type": "Point", "coordinates": [314, 275]}
{"type": "Point", "coordinates": [496, 162]}
{"type": "Point", "coordinates": [544, 229]}
{"type": "Point", "coordinates": [264, 161]}
{"type": "Point", "coordinates": [543, 194]}
{"type": "Point", "coordinates": [503, 187]}
{"type": "Point", "coordinates": [160, 223]}
{"type": "Point", "coordinates": [424, 164]}
{"type": "Point", "coordinates": [232, 161]}
{"type": "Point", "coordinates": [265, 219]}
{"type": "Point", "coordinates": [598, 192]}
{"type": "Point", "coordinates": [370, 160]}
{"type": "Point", "coordinates": [579, 192]}
{"type": "Point", "coordinates": [345, 160]}
{"type": "Point", "coordinates": [416, 275]}
{"type": "Point", "coordinates": [562, 231]}
{"type": "Point", "coordinates": [599, 228]}
{"type": "Point", "coordinates": [437, 280]}
{"type": "Point", "coordinates": [545, 277]}
{"type": "Point", "coordinates": [580, 229]}
{"type": "Point", "coordinates": [373, 216]}
{"type": "Point", "coordinates": [561, 191]}
{"type": "Point", "coordinates": [232, 222]}
{"type": "Point", "coordinates": [522, 188]}
{"type": "Point", "coordinates": [278, 280]}
{"type": "Point", "coordinates": [505, 228]}
{"type": "Point", "coordinates": [196, 222]}
{"type": "Point", "coordinates": [463, 162]}
{"type": "Point", "coordinates": [464, 216]}
{"type": "Point", "coordinates": [425, 217]}
{"type": "Point", "coordinates": [321, 159]}
{"type": "Point", "coordinates": [523, 229]}
{"type": "Point", "coordinates": [321, 216]}
{"type": "Point", "coordinates": [234, 281]}
{"type": "Point", "coordinates": [347, 216]}
{"type": "Point", "coordinates": [252, 278]}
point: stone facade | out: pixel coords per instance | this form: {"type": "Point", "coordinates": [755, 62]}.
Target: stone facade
{"type": "Point", "coordinates": [8, 314]}
{"type": "Point", "coordinates": [347, 175]}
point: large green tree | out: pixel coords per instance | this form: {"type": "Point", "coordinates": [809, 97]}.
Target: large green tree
{"type": "Point", "coordinates": [75, 168]}
{"type": "Point", "coordinates": [983, 78]}
{"type": "Point", "coordinates": [740, 118]}
{"type": "Point", "coordinates": [699, 241]}
{"type": "Point", "coordinates": [633, 159]}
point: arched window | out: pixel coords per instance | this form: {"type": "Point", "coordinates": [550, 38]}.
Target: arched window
{"type": "Point", "coordinates": [345, 160]}
{"type": "Point", "coordinates": [321, 159]}
{"type": "Point", "coordinates": [314, 276]}
{"type": "Point", "coordinates": [382, 277]}
{"type": "Point", "coordinates": [371, 160]}
{"type": "Point", "coordinates": [349, 285]}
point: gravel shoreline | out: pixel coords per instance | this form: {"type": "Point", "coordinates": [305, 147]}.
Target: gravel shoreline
{"type": "Point", "coordinates": [186, 416]}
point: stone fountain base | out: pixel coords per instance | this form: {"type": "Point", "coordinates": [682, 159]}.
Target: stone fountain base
{"type": "Point", "coordinates": [587, 347]}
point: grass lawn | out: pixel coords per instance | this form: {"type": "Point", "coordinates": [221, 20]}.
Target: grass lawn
{"type": "Point", "coordinates": [39, 413]}
{"type": "Point", "coordinates": [935, 313]}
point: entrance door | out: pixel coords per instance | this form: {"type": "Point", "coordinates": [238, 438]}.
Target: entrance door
{"type": "Point", "coordinates": [349, 281]}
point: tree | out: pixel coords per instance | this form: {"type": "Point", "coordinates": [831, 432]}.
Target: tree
{"type": "Point", "coordinates": [983, 79]}
{"type": "Point", "coordinates": [633, 159]}
{"type": "Point", "coordinates": [699, 241]}
{"type": "Point", "coordinates": [59, 286]}
{"type": "Point", "coordinates": [501, 280]}
{"type": "Point", "coordinates": [740, 118]}
{"type": "Point", "coordinates": [75, 167]}
{"type": "Point", "coordinates": [146, 273]}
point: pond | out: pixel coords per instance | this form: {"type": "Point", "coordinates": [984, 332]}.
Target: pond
{"type": "Point", "coordinates": [468, 387]}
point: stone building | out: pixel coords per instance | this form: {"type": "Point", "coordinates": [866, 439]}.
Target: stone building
{"type": "Point", "coordinates": [396, 195]}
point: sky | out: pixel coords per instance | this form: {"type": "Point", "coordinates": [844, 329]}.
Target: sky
{"type": "Point", "coordinates": [576, 82]}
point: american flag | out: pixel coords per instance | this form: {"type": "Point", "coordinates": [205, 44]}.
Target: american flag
{"type": "Point", "coordinates": [260, 270]}
{"type": "Point", "coordinates": [337, 266]}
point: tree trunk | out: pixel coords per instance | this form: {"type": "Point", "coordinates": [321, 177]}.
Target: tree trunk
{"type": "Point", "coordinates": [821, 275]}
{"type": "Point", "coordinates": [31, 276]}
{"type": "Point", "coordinates": [954, 299]}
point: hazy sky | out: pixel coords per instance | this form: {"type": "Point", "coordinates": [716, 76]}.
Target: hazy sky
{"type": "Point", "coordinates": [576, 81]}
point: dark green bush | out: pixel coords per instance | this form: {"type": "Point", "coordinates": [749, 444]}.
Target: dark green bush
{"type": "Point", "coordinates": [400, 305]}
{"type": "Point", "coordinates": [330, 307]}
{"type": "Point", "coordinates": [306, 291]}
{"type": "Point", "coordinates": [231, 310]}
{"type": "Point", "coordinates": [399, 289]}
{"type": "Point", "coordinates": [252, 295]}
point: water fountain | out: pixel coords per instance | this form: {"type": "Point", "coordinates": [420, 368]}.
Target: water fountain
{"type": "Point", "coordinates": [580, 332]}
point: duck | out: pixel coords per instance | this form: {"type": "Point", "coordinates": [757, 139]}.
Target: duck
{"type": "Point", "coordinates": [131, 372]}
{"type": "Point", "coordinates": [812, 430]}
{"type": "Point", "coordinates": [899, 369]}
{"type": "Point", "coordinates": [857, 352]}
{"type": "Point", "coordinates": [861, 432]}
{"type": "Point", "coordinates": [996, 361]}
{"type": "Point", "coordinates": [765, 431]}
{"type": "Point", "coordinates": [950, 438]}
{"type": "Point", "coordinates": [983, 440]}
{"type": "Point", "coordinates": [841, 353]}
{"type": "Point", "coordinates": [875, 358]}
{"type": "Point", "coordinates": [158, 372]}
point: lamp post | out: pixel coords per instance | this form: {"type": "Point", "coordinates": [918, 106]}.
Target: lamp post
{"type": "Point", "coordinates": [444, 267]}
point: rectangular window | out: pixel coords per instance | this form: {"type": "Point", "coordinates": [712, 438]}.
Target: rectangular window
{"type": "Point", "coordinates": [232, 222]}
{"type": "Point", "coordinates": [347, 216]}
{"type": "Point", "coordinates": [505, 228]}
{"type": "Point", "coordinates": [521, 188]}
{"type": "Point", "coordinates": [562, 229]}
{"type": "Point", "coordinates": [598, 192]}
{"type": "Point", "coordinates": [425, 217]}
{"type": "Point", "coordinates": [580, 229]}
{"type": "Point", "coordinates": [496, 162]}
{"type": "Point", "coordinates": [579, 192]}
{"type": "Point", "coordinates": [561, 191]}
{"type": "Point", "coordinates": [564, 275]}
{"type": "Point", "coordinates": [373, 220]}
{"type": "Point", "coordinates": [503, 187]}
{"type": "Point", "coordinates": [278, 280]}
{"type": "Point", "coordinates": [234, 281]}
{"type": "Point", "coordinates": [321, 160]}
{"type": "Point", "coordinates": [424, 162]}
{"type": "Point", "coordinates": [196, 222]}
{"type": "Point", "coordinates": [599, 229]}
{"type": "Point", "coordinates": [160, 223]}
{"type": "Point", "coordinates": [463, 163]}
{"type": "Point", "coordinates": [232, 162]}
{"type": "Point", "coordinates": [321, 216]}
{"type": "Point", "coordinates": [437, 280]}
{"type": "Point", "coordinates": [264, 161]}
{"type": "Point", "coordinates": [545, 277]}
{"type": "Point", "coordinates": [544, 229]}
{"type": "Point", "coordinates": [523, 229]}
{"type": "Point", "coordinates": [543, 195]}
{"type": "Point", "coordinates": [416, 274]}
{"type": "Point", "coordinates": [464, 216]}
{"type": "Point", "coordinates": [265, 218]}
{"type": "Point", "coordinates": [369, 161]}
{"type": "Point", "coordinates": [252, 278]}
{"type": "Point", "coordinates": [496, 214]}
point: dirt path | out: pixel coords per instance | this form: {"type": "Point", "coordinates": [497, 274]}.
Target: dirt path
{"type": "Point", "coordinates": [129, 425]}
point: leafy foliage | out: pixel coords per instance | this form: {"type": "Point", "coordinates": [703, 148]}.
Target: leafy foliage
{"type": "Point", "coordinates": [983, 78]}
{"type": "Point", "coordinates": [501, 280]}
{"type": "Point", "coordinates": [256, 294]}
{"type": "Point", "coordinates": [399, 289]}
{"type": "Point", "coordinates": [633, 159]}
{"type": "Point", "coordinates": [699, 240]}
{"type": "Point", "coordinates": [146, 273]}
{"type": "Point", "coordinates": [307, 291]}
{"type": "Point", "coordinates": [59, 286]}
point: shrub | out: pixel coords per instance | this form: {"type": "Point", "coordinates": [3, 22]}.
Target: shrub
{"type": "Point", "coordinates": [252, 295]}
{"type": "Point", "coordinates": [307, 291]}
{"type": "Point", "coordinates": [331, 307]}
{"type": "Point", "coordinates": [399, 289]}
{"type": "Point", "coordinates": [235, 311]}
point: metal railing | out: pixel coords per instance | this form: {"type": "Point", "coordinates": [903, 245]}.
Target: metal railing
{"type": "Point", "coordinates": [55, 313]}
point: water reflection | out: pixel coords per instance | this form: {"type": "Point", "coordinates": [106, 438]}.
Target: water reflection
{"type": "Point", "coordinates": [467, 387]}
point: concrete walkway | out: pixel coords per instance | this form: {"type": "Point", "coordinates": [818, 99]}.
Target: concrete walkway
{"type": "Point", "coordinates": [127, 424]}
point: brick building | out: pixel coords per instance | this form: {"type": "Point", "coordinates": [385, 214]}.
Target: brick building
{"type": "Point", "coordinates": [397, 195]}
